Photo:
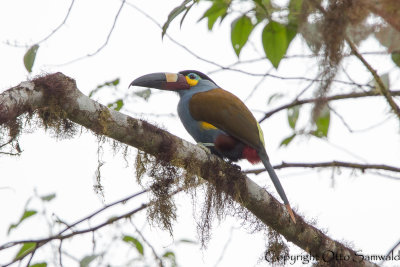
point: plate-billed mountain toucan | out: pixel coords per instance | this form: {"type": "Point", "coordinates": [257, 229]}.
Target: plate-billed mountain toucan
{"type": "Point", "coordinates": [216, 118]}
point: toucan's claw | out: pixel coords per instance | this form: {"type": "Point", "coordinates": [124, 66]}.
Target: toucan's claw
{"type": "Point", "coordinates": [205, 146]}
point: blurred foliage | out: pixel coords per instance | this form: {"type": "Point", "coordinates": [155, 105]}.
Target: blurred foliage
{"type": "Point", "coordinates": [96, 256]}
{"type": "Point", "coordinates": [282, 23]}
{"type": "Point", "coordinates": [322, 27]}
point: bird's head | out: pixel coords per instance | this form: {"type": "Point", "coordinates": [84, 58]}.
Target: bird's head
{"type": "Point", "coordinates": [184, 80]}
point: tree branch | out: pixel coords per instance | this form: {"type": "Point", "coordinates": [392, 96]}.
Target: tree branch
{"type": "Point", "coordinates": [330, 164]}
{"type": "Point", "coordinates": [40, 242]}
{"type": "Point", "coordinates": [298, 102]}
{"type": "Point", "coordinates": [105, 42]}
{"type": "Point", "coordinates": [57, 91]}
{"type": "Point", "coordinates": [381, 87]}
{"type": "Point", "coordinates": [61, 237]}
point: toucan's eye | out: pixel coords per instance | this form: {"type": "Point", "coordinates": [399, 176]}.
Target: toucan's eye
{"type": "Point", "coordinates": [193, 76]}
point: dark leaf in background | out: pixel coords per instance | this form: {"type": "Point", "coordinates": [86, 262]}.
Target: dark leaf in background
{"type": "Point", "coordinates": [287, 140]}
{"type": "Point", "coordinates": [25, 215]}
{"type": "Point", "coordinates": [173, 14]}
{"type": "Point", "coordinates": [293, 115]}
{"type": "Point", "coordinates": [322, 122]}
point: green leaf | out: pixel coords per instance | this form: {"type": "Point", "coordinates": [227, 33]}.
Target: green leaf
{"type": "Point", "coordinates": [25, 215]}
{"type": "Point", "coordinates": [173, 14]}
{"type": "Point", "coordinates": [25, 250]}
{"type": "Point", "coordinates": [42, 264]}
{"type": "Point", "coordinates": [293, 115]}
{"type": "Point", "coordinates": [240, 31]}
{"type": "Point", "coordinates": [187, 241]}
{"type": "Point", "coordinates": [184, 15]}
{"type": "Point", "coordinates": [29, 57]}
{"type": "Point", "coordinates": [396, 58]}
{"type": "Point", "coordinates": [287, 140]}
{"type": "Point", "coordinates": [218, 9]}
{"type": "Point", "coordinates": [274, 41]}
{"type": "Point", "coordinates": [322, 122]}
{"type": "Point", "coordinates": [291, 31]}
{"type": "Point", "coordinates": [171, 256]}
{"type": "Point", "coordinates": [145, 94]}
{"type": "Point", "coordinates": [276, 38]}
{"type": "Point", "coordinates": [114, 83]}
{"type": "Point", "coordinates": [133, 241]}
{"type": "Point", "coordinates": [49, 197]}
{"type": "Point", "coordinates": [117, 105]}
{"type": "Point", "coordinates": [85, 262]}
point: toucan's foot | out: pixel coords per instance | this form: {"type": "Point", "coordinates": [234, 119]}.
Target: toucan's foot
{"type": "Point", "coordinates": [205, 147]}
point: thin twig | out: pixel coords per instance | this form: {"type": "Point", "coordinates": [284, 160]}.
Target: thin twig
{"type": "Point", "coordinates": [327, 99]}
{"type": "Point", "coordinates": [104, 44]}
{"type": "Point", "coordinates": [59, 26]}
{"type": "Point", "coordinates": [104, 208]}
{"type": "Point", "coordinates": [225, 67]}
{"type": "Point", "coordinates": [43, 241]}
{"type": "Point", "coordinates": [59, 236]}
{"type": "Point", "coordinates": [68, 227]}
{"type": "Point", "coordinates": [160, 262]}
{"type": "Point", "coordinates": [341, 118]}
{"type": "Point", "coordinates": [381, 86]}
{"type": "Point", "coordinates": [221, 256]}
{"type": "Point", "coordinates": [52, 32]}
{"type": "Point", "coordinates": [2, 145]}
{"type": "Point", "coordinates": [9, 153]}
{"type": "Point", "coordinates": [330, 164]}
{"type": "Point", "coordinates": [256, 87]}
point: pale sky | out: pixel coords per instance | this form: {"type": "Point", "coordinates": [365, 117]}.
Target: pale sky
{"type": "Point", "coordinates": [358, 209]}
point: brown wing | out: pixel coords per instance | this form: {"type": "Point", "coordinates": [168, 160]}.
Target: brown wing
{"type": "Point", "coordinates": [228, 113]}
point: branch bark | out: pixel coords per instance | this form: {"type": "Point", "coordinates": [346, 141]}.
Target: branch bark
{"type": "Point", "coordinates": [60, 90]}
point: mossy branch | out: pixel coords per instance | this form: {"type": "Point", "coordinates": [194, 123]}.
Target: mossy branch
{"type": "Point", "coordinates": [57, 92]}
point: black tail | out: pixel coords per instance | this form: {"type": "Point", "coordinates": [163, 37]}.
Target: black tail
{"type": "Point", "coordinates": [265, 160]}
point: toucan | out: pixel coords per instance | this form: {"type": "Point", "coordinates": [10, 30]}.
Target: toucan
{"type": "Point", "coordinates": [216, 119]}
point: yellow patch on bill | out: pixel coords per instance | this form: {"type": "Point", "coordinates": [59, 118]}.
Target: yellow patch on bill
{"type": "Point", "coordinates": [171, 77]}
{"type": "Point", "coordinates": [207, 126]}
